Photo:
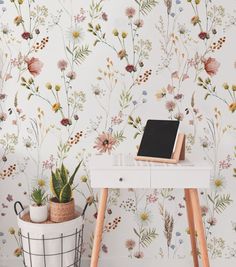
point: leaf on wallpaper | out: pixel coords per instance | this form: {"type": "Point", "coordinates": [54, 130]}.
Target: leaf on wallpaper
{"type": "Point", "coordinates": [16, 100]}
{"type": "Point", "coordinates": [147, 237]}
{"type": "Point", "coordinates": [222, 202]}
{"type": "Point", "coordinates": [175, 75]}
{"type": "Point", "coordinates": [192, 100]}
{"type": "Point", "coordinates": [146, 6]}
{"type": "Point", "coordinates": [79, 53]}
{"type": "Point", "coordinates": [8, 77]}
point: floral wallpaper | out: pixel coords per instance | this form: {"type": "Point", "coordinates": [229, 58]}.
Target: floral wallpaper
{"type": "Point", "coordinates": [78, 77]}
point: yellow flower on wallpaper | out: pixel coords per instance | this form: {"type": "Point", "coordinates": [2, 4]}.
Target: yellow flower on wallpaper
{"type": "Point", "coordinates": [56, 107]}
{"type": "Point", "coordinates": [41, 182]}
{"type": "Point", "coordinates": [232, 107]}
{"type": "Point", "coordinates": [75, 34]}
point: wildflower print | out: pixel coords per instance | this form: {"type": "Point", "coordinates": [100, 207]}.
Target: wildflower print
{"type": "Point", "coordinates": [75, 34]}
{"type": "Point", "coordinates": [130, 244]}
{"type": "Point", "coordinates": [26, 35]}
{"type": "Point", "coordinates": [211, 66]}
{"type": "Point", "coordinates": [56, 107]}
{"type": "Point", "coordinates": [80, 77]}
{"type": "Point", "coordinates": [71, 75]}
{"type": "Point", "coordinates": [41, 182]}
{"type": "Point", "coordinates": [34, 66]}
{"type": "Point", "coordinates": [139, 254]}
{"type": "Point", "coordinates": [170, 105]}
{"type": "Point", "coordinates": [105, 142]}
{"type": "Point", "coordinates": [143, 217]}
{"type": "Point", "coordinates": [130, 68]}
{"type": "Point", "coordinates": [218, 183]}
{"type": "Point", "coordinates": [62, 64]}
{"type": "Point", "coordinates": [130, 12]}
{"type": "Point", "coordinates": [66, 122]}
{"type": "Point", "coordinates": [18, 252]}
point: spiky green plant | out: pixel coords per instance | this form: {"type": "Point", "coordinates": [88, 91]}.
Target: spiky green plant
{"type": "Point", "coordinates": [38, 196]}
{"type": "Point", "coordinates": [62, 185]}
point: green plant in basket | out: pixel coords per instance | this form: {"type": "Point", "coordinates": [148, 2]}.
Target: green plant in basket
{"type": "Point", "coordinates": [39, 196]}
{"type": "Point", "coordinates": [61, 183]}
{"type": "Point", "coordinates": [62, 206]}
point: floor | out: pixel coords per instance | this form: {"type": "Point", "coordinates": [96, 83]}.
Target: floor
{"type": "Point", "coordinates": [133, 263]}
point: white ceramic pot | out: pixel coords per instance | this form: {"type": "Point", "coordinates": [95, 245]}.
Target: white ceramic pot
{"type": "Point", "coordinates": [38, 213]}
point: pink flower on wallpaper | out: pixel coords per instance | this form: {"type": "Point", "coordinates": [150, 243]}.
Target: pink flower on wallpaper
{"type": "Point", "coordinates": [62, 64]}
{"type": "Point", "coordinates": [211, 66]}
{"type": "Point", "coordinates": [3, 116]}
{"type": "Point", "coordinates": [104, 16]}
{"type": "Point", "coordinates": [71, 75]}
{"type": "Point", "coordinates": [139, 23]}
{"type": "Point", "coordinates": [175, 75]}
{"type": "Point", "coordinates": [170, 105]}
{"type": "Point", "coordinates": [130, 12]}
{"type": "Point", "coordinates": [185, 77]}
{"type": "Point", "coordinates": [34, 66]}
{"type": "Point", "coordinates": [170, 89]}
{"type": "Point", "coordinates": [105, 142]}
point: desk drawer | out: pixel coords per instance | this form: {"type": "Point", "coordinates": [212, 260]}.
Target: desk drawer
{"type": "Point", "coordinates": [120, 179]}
{"type": "Point", "coordinates": [180, 178]}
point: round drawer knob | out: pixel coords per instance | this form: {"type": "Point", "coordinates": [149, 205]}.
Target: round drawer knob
{"type": "Point", "coordinates": [121, 179]}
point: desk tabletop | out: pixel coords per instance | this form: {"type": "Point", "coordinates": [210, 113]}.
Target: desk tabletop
{"type": "Point", "coordinates": [123, 171]}
{"type": "Point", "coordinates": [127, 161]}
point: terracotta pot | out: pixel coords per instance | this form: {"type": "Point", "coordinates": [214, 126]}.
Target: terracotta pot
{"type": "Point", "coordinates": [61, 212]}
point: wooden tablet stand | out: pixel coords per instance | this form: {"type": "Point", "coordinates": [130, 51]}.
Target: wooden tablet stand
{"type": "Point", "coordinates": [178, 154]}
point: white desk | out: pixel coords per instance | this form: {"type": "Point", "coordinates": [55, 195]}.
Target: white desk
{"type": "Point", "coordinates": [122, 171]}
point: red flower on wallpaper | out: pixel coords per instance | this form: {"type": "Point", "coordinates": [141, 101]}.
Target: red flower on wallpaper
{"type": "Point", "coordinates": [211, 66]}
{"type": "Point", "coordinates": [130, 68]}
{"type": "Point", "coordinates": [25, 35]}
{"type": "Point", "coordinates": [34, 66]}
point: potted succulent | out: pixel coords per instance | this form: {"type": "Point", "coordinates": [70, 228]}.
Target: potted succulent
{"type": "Point", "coordinates": [39, 208]}
{"type": "Point", "coordinates": [62, 206]}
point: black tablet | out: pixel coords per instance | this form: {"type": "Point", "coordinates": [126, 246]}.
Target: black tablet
{"type": "Point", "coordinates": [158, 138]}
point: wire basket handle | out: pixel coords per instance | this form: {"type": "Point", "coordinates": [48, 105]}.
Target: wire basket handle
{"type": "Point", "coordinates": [15, 207]}
{"type": "Point", "coordinates": [85, 207]}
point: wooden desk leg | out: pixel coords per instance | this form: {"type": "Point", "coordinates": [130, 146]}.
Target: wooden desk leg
{"type": "Point", "coordinates": [197, 214]}
{"type": "Point", "coordinates": [191, 227]}
{"type": "Point", "coordinates": [99, 228]}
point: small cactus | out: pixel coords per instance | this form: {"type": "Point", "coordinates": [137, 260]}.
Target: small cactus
{"type": "Point", "coordinates": [61, 183]}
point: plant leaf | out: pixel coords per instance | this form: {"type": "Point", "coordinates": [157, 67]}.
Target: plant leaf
{"type": "Point", "coordinates": [66, 193]}
{"type": "Point", "coordinates": [64, 174]}
{"type": "Point", "coordinates": [75, 171]}
{"type": "Point", "coordinates": [56, 185]}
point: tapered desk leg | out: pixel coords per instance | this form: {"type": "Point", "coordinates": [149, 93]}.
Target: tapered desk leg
{"type": "Point", "coordinates": [99, 228]}
{"type": "Point", "coordinates": [199, 227]}
{"type": "Point", "coordinates": [191, 227]}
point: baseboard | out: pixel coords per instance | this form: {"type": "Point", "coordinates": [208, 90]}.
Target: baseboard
{"type": "Point", "coordinates": [13, 262]}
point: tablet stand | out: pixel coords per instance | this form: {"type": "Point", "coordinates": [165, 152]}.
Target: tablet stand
{"type": "Point", "coordinates": [178, 154]}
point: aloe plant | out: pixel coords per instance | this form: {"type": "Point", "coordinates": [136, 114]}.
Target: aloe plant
{"type": "Point", "coordinates": [62, 184]}
{"type": "Point", "coordinates": [38, 196]}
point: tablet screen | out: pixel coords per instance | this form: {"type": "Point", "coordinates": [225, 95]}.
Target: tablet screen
{"type": "Point", "coordinates": [158, 138]}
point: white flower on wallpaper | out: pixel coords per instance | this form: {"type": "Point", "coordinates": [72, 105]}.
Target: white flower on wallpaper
{"type": "Point", "coordinates": [79, 77]}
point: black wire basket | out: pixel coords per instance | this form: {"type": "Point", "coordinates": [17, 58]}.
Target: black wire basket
{"type": "Point", "coordinates": [42, 248]}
